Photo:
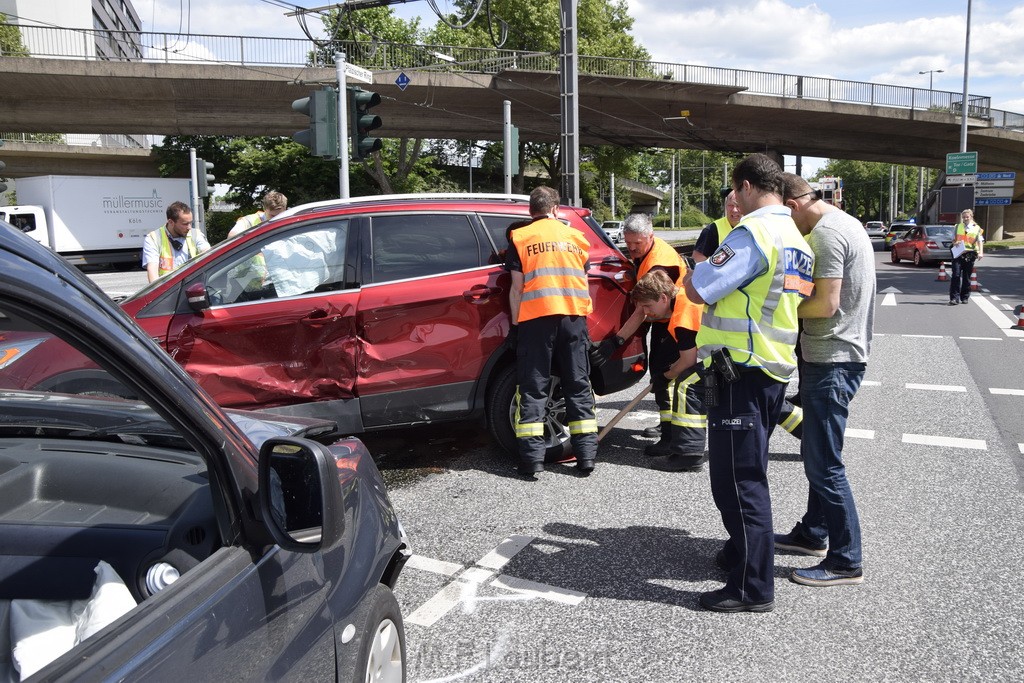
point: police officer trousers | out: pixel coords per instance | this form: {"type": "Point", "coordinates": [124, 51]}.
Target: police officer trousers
{"type": "Point", "coordinates": [565, 340]}
{"type": "Point", "coordinates": [738, 431]}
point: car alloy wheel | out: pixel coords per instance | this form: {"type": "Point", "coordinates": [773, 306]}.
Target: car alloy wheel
{"type": "Point", "coordinates": [501, 416]}
{"type": "Point", "coordinates": [917, 259]}
{"type": "Point", "coordinates": [893, 256]}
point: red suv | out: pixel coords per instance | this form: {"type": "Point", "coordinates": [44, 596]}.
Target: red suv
{"type": "Point", "coordinates": [374, 312]}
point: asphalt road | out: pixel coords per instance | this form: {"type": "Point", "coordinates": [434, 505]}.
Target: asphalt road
{"type": "Point", "coordinates": [596, 579]}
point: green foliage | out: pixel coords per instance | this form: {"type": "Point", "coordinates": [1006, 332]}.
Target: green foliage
{"type": "Point", "coordinates": [689, 217]}
{"type": "Point", "coordinates": [219, 223]}
{"type": "Point", "coordinates": [10, 40]}
{"type": "Point", "coordinates": [867, 188]}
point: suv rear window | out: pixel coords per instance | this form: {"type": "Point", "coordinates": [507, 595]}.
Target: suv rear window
{"type": "Point", "coordinates": [417, 245]}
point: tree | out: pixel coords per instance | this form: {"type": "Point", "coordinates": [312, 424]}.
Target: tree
{"type": "Point", "coordinates": [867, 188]}
{"type": "Point", "coordinates": [10, 40]}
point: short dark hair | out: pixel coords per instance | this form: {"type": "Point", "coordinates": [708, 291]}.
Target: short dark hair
{"type": "Point", "coordinates": [543, 200]}
{"type": "Point", "coordinates": [176, 209]}
{"type": "Point", "coordinates": [761, 171]}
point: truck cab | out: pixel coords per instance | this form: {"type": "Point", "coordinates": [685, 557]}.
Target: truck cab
{"type": "Point", "coordinates": [31, 220]}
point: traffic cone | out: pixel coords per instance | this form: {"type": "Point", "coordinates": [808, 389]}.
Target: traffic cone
{"type": "Point", "coordinates": [1019, 312]}
{"type": "Point", "coordinates": [942, 273]}
{"type": "Point", "coordinates": [974, 281]}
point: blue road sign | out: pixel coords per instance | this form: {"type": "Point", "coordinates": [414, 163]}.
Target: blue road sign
{"type": "Point", "coordinates": [402, 81]}
{"type": "Point", "coordinates": [992, 201]}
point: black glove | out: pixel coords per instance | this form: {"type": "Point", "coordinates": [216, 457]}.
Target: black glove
{"type": "Point", "coordinates": [600, 353]}
{"type": "Point", "coordinates": [512, 340]}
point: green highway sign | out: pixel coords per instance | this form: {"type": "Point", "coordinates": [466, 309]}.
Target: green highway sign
{"type": "Point", "coordinates": [961, 162]}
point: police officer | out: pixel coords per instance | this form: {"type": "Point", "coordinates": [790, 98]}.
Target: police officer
{"type": "Point", "coordinates": [972, 237]}
{"type": "Point", "coordinates": [660, 298]}
{"type": "Point", "coordinates": [751, 285]}
{"type": "Point", "coordinates": [550, 300]}
{"type": "Point", "coordinates": [650, 253]}
{"type": "Point", "coordinates": [711, 236]}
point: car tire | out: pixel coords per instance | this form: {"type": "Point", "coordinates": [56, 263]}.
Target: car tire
{"type": "Point", "coordinates": [917, 259]}
{"type": "Point", "coordinates": [501, 414]}
{"type": "Point", "coordinates": [893, 256]}
{"type": "Point", "coordinates": [381, 639]}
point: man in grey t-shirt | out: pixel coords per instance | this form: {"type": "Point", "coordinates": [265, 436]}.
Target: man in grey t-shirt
{"type": "Point", "coordinates": [835, 343]}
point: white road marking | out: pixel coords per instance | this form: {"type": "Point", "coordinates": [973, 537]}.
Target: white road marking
{"type": "Point", "coordinates": [995, 298]}
{"type": "Point", "coordinates": [889, 299]}
{"type": "Point", "coordinates": [935, 387]}
{"type": "Point", "coordinates": [945, 441]}
{"type": "Point", "coordinates": [1006, 307]}
{"type": "Point", "coordinates": [428, 564]}
{"type": "Point", "coordinates": [997, 316]}
{"type": "Point", "coordinates": [1021, 447]}
{"type": "Point", "coordinates": [983, 338]}
{"type": "Point", "coordinates": [870, 383]}
{"type": "Point", "coordinates": [464, 588]}
{"type": "Point", "coordinates": [860, 433]}
{"type": "Point", "coordinates": [922, 336]}
{"type": "Point", "coordinates": [1008, 392]}
{"type": "Point", "coordinates": [499, 557]}
{"type": "Point", "coordinates": [539, 590]}
{"type": "Point", "coordinates": [437, 606]}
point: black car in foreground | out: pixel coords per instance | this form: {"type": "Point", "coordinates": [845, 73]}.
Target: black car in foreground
{"type": "Point", "coordinates": [166, 539]}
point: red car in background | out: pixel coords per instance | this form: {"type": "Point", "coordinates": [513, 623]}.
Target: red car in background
{"type": "Point", "coordinates": [374, 312]}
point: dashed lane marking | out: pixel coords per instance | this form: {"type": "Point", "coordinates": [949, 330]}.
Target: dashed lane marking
{"type": "Point", "coordinates": [1020, 446]}
{"type": "Point", "coordinates": [922, 336]}
{"type": "Point", "coordinates": [1008, 392]}
{"type": "Point", "coordinates": [860, 433]}
{"type": "Point", "coordinates": [935, 387]}
{"type": "Point", "coordinates": [983, 338]}
{"type": "Point", "coordinates": [870, 383]}
{"type": "Point", "coordinates": [463, 589]}
{"type": "Point", "coordinates": [945, 441]}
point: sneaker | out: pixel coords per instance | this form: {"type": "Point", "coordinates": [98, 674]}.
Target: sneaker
{"type": "Point", "coordinates": [953, 302]}
{"type": "Point", "coordinates": [796, 542]}
{"type": "Point", "coordinates": [820, 575]}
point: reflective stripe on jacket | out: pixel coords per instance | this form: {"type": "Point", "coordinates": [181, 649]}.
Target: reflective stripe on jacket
{"type": "Point", "coordinates": [757, 322]}
{"type": "Point", "coordinates": [554, 259]}
{"type": "Point", "coordinates": [969, 234]}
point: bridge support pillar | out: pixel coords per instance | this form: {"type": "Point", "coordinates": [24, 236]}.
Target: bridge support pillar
{"type": "Point", "coordinates": [992, 219]}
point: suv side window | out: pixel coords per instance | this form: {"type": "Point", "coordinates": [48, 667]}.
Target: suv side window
{"type": "Point", "coordinates": [498, 227]}
{"type": "Point", "coordinates": [417, 245]}
{"type": "Point", "coordinates": [301, 261]}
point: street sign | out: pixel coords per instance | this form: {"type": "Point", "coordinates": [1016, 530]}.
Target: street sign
{"type": "Point", "coordinates": [402, 81]}
{"type": "Point", "coordinates": [961, 179]}
{"type": "Point", "coordinates": [358, 73]}
{"type": "Point", "coordinates": [961, 162]}
{"type": "Point", "coordinates": [994, 188]}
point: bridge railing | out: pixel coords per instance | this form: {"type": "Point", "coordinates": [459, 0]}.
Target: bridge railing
{"type": "Point", "coordinates": [45, 41]}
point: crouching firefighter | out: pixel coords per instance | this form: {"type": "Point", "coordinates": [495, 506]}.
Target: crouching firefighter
{"type": "Point", "coordinates": [660, 298]}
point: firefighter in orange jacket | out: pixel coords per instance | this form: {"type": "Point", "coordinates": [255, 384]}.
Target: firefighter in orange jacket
{"type": "Point", "coordinates": [550, 300]}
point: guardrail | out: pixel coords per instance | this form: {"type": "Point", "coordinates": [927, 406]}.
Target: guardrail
{"type": "Point", "coordinates": [44, 41]}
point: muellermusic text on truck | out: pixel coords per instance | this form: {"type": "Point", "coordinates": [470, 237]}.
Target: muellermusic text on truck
{"type": "Point", "coordinates": [93, 220]}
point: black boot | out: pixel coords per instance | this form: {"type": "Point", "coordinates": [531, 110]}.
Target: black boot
{"type": "Point", "coordinates": [662, 445]}
{"type": "Point", "coordinates": [680, 462]}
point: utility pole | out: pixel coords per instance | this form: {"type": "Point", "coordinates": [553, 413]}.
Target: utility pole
{"type": "Point", "coordinates": [339, 65]}
{"type": "Point", "coordinates": [963, 101]}
{"type": "Point", "coordinates": [569, 81]}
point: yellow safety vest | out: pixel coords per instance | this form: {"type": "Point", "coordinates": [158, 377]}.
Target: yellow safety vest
{"type": "Point", "coordinates": [723, 228]}
{"type": "Point", "coordinates": [757, 323]}
{"type": "Point", "coordinates": [554, 259]}
{"type": "Point", "coordinates": [969, 235]}
{"type": "Point", "coordinates": [166, 263]}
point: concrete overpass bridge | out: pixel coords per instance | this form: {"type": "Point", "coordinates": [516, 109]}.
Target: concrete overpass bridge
{"type": "Point", "coordinates": [621, 102]}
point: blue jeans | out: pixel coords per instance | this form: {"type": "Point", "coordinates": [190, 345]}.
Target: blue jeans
{"type": "Point", "coordinates": [826, 390]}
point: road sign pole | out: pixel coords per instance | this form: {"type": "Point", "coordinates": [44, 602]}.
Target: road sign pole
{"type": "Point", "coordinates": [339, 63]}
{"type": "Point", "coordinates": [507, 144]}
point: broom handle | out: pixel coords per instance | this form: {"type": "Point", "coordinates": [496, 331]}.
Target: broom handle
{"type": "Point", "coordinates": [622, 413]}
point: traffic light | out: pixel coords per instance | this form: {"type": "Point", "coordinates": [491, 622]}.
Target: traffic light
{"type": "Point", "coordinates": [322, 135]}
{"type": "Point", "coordinates": [362, 122]}
{"type": "Point", "coordinates": [204, 177]}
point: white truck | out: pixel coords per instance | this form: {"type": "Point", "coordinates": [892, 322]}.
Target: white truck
{"type": "Point", "coordinates": [93, 220]}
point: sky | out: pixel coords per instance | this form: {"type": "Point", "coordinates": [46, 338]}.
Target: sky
{"type": "Point", "coordinates": [879, 41]}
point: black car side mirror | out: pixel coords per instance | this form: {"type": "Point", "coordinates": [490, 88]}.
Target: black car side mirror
{"type": "Point", "coordinates": [299, 481]}
{"type": "Point", "coordinates": [198, 299]}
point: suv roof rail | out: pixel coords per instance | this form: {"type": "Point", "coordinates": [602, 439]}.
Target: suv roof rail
{"type": "Point", "coordinates": [328, 203]}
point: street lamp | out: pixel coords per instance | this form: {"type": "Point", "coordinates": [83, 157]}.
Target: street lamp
{"type": "Point", "coordinates": [931, 75]}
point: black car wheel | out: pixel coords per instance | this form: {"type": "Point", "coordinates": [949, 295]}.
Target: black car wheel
{"type": "Point", "coordinates": [382, 636]}
{"type": "Point", "coordinates": [917, 259]}
{"type": "Point", "coordinates": [501, 417]}
{"type": "Point", "coordinates": [893, 256]}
